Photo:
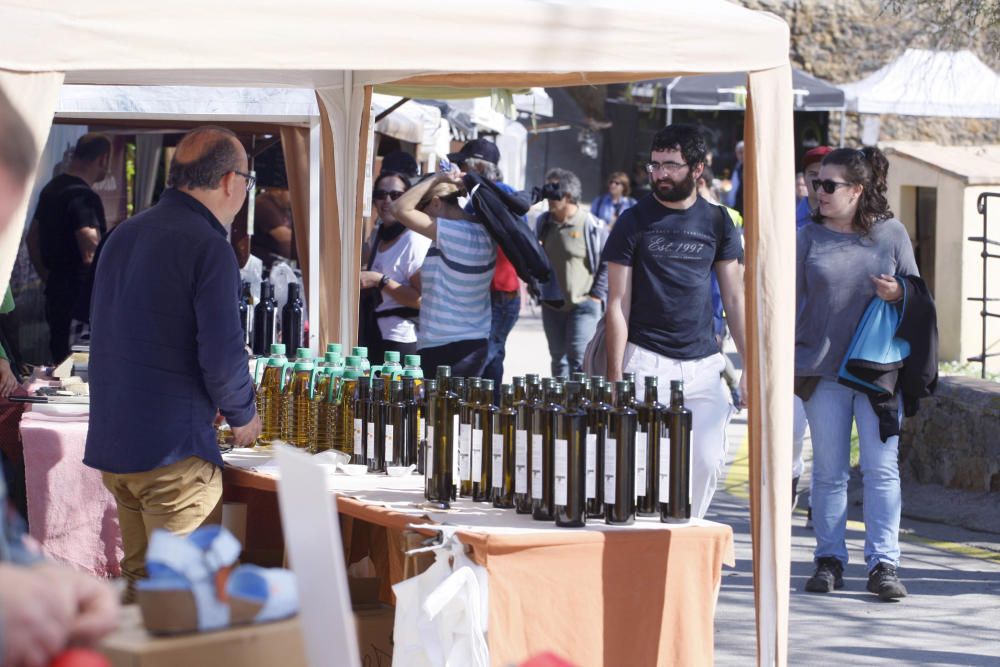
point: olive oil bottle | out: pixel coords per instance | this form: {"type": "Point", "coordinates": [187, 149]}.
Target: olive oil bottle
{"type": "Point", "coordinates": [619, 459]}
{"type": "Point", "coordinates": [569, 459]}
{"type": "Point", "coordinates": [525, 398]}
{"type": "Point", "coordinates": [677, 506]}
{"type": "Point", "coordinates": [467, 408]}
{"type": "Point", "coordinates": [395, 410]}
{"type": "Point", "coordinates": [647, 451]}
{"type": "Point", "coordinates": [598, 416]}
{"type": "Point", "coordinates": [503, 450]}
{"type": "Point", "coordinates": [543, 498]}
{"type": "Point", "coordinates": [483, 418]}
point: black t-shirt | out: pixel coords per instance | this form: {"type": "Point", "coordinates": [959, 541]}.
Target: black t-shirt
{"type": "Point", "coordinates": [65, 205]}
{"type": "Point", "coordinates": [671, 253]}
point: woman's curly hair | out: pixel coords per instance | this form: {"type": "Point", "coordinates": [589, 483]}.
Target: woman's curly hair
{"type": "Point", "coordinates": [867, 167]}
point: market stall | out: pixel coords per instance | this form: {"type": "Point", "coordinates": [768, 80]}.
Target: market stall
{"type": "Point", "coordinates": [328, 46]}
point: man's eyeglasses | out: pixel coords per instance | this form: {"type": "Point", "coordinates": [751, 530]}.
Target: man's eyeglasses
{"type": "Point", "coordinates": [379, 195]}
{"type": "Point", "coordinates": [669, 167]}
{"type": "Point", "coordinates": [251, 179]}
{"type": "Point", "coordinates": [828, 186]}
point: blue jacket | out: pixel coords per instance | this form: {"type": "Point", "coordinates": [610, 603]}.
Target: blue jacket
{"type": "Point", "coordinates": [595, 236]}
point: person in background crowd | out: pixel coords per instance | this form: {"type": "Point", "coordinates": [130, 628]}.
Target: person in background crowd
{"type": "Point", "coordinates": [729, 373]}
{"type": "Point", "coordinates": [846, 257]}
{"type": "Point", "coordinates": [483, 157]}
{"type": "Point", "coordinates": [801, 190]}
{"type": "Point", "coordinates": [167, 349]}
{"type": "Point", "coordinates": [44, 607]}
{"type": "Point", "coordinates": [660, 257]}
{"type": "Point", "coordinates": [734, 198]}
{"type": "Point", "coordinates": [612, 203]}
{"type": "Point", "coordinates": [573, 240]}
{"type": "Point", "coordinates": [68, 226]}
{"type": "Point", "coordinates": [455, 309]}
{"type": "Point", "coordinates": [273, 237]}
{"type": "Point", "coordinates": [804, 210]}
{"type": "Point", "coordinates": [401, 163]}
{"type": "Point", "coordinates": [390, 297]}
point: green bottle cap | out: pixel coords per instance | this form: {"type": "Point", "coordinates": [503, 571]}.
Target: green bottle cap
{"type": "Point", "coordinates": [303, 366]}
{"type": "Point", "coordinates": [331, 357]}
{"type": "Point", "coordinates": [335, 347]}
{"type": "Point", "coordinates": [412, 360]}
{"type": "Point", "coordinates": [277, 348]}
{"type": "Point", "coordinates": [354, 361]}
{"type": "Point", "coordinates": [303, 353]}
{"type": "Point", "coordinates": [274, 363]}
{"type": "Point", "coordinates": [359, 351]}
{"type": "Point", "coordinates": [391, 356]}
{"type": "Point", "coordinates": [352, 374]}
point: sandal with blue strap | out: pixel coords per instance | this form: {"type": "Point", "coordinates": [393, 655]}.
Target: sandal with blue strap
{"type": "Point", "coordinates": [194, 585]}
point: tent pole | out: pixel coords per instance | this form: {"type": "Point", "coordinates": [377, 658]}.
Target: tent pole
{"type": "Point", "coordinates": [843, 125]}
{"type": "Point", "coordinates": [314, 232]}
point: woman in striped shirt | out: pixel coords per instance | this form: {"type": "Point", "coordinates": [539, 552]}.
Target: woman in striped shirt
{"type": "Point", "coordinates": [455, 311]}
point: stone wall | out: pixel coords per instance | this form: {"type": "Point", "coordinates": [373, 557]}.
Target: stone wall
{"type": "Point", "coordinates": [954, 439]}
{"type": "Point", "coordinates": [842, 41]}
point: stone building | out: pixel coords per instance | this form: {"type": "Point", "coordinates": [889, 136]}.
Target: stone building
{"type": "Point", "coordinates": [842, 41]}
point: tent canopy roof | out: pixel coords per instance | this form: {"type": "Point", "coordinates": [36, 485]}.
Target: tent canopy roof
{"type": "Point", "coordinates": [728, 91]}
{"type": "Point", "coordinates": [973, 165]}
{"type": "Point", "coordinates": [929, 83]}
{"type": "Point", "coordinates": [189, 42]}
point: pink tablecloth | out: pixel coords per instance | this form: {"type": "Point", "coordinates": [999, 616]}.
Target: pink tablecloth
{"type": "Point", "coordinates": [70, 513]}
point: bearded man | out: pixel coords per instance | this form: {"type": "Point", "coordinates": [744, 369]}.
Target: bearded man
{"type": "Point", "coordinates": [660, 257]}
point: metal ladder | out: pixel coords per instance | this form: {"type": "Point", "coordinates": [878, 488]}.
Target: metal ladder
{"type": "Point", "coordinates": [985, 299]}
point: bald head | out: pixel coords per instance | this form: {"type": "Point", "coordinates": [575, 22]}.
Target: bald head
{"type": "Point", "coordinates": [18, 157]}
{"type": "Point", "coordinates": [204, 156]}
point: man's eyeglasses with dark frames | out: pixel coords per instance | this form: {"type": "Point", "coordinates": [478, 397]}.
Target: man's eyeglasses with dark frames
{"type": "Point", "coordinates": [251, 179]}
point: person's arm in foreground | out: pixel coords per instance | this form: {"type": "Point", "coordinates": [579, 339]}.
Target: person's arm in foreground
{"type": "Point", "coordinates": [405, 208]}
{"type": "Point", "coordinates": [730, 275]}
{"type": "Point", "coordinates": [616, 317]}
{"type": "Point", "coordinates": [403, 294]}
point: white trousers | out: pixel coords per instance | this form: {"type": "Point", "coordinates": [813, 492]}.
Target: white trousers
{"type": "Point", "coordinates": [706, 396]}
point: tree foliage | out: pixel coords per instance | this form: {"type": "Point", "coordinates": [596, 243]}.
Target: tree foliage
{"type": "Point", "coordinates": [954, 24]}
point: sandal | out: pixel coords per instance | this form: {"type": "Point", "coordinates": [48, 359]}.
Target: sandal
{"type": "Point", "coordinates": [194, 585]}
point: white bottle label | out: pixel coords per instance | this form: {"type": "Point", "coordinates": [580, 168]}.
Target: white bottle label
{"type": "Point", "coordinates": [371, 441]}
{"type": "Point", "coordinates": [477, 454]}
{"type": "Point", "coordinates": [664, 470]}
{"type": "Point", "coordinates": [388, 443]}
{"type": "Point", "coordinates": [610, 461]}
{"type": "Point", "coordinates": [357, 438]}
{"type": "Point", "coordinates": [560, 470]}
{"type": "Point", "coordinates": [464, 453]}
{"type": "Point", "coordinates": [497, 461]}
{"type": "Point", "coordinates": [536, 466]}
{"type": "Point", "coordinates": [591, 465]}
{"type": "Point", "coordinates": [641, 448]}
{"type": "Point", "coordinates": [429, 461]}
{"type": "Point", "coordinates": [521, 462]}
{"type": "Point", "coordinates": [454, 454]}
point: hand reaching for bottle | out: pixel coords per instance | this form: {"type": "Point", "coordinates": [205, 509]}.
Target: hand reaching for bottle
{"type": "Point", "coordinates": [246, 435]}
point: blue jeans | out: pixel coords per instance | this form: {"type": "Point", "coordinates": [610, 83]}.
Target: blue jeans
{"type": "Point", "coordinates": [568, 332]}
{"type": "Point", "coordinates": [506, 309]}
{"type": "Point", "coordinates": [830, 411]}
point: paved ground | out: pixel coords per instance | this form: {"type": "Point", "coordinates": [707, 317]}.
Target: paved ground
{"type": "Point", "coordinates": [952, 616]}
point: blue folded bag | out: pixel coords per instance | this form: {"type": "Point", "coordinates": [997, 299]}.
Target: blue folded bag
{"type": "Point", "coordinates": [875, 354]}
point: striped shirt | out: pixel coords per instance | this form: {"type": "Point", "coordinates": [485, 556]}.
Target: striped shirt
{"type": "Point", "coordinates": [455, 303]}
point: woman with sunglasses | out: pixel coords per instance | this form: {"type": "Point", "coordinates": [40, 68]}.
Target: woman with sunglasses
{"type": "Point", "coordinates": [456, 310]}
{"type": "Point", "coordinates": [848, 255]}
{"type": "Point", "coordinates": [615, 201]}
{"type": "Point", "coordinates": [390, 285]}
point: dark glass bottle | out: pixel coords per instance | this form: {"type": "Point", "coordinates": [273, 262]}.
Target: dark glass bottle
{"type": "Point", "coordinates": [292, 322]}
{"type": "Point", "coordinates": [598, 416]}
{"type": "Point", "coordinates": [647, 451]}
{"type": "Point", "coordinates": [246, 313]}
{"type": "Point", "coordinates": [411, 437]}
{"type": "Point", "coordinates": [441, 441]}
{"type": "Point", "coordinates": [543, 502]}
{"type": "Point", "coordinates": [524, 403]}
{"type": "Point", "coordinates": [379, 418]}
{"type": "Point", "coordinates": [483, 418]}
{"type": "Point", "coordinates": [265, 320]}
{"type": "Point", "coordinates": [679, 421]}
{"type": "Point", "coordinates": [466, 411]}
{"type": "Point", "coordinates": [458, 389]}
{"type": "Point", "coordinates": [619, 460]}
{"type": "Point", "coordinates": [630, 378]}
{"type": "Point", "coordinates": [424, 392]}
{"type": "Point", "coordinates": [430, 418]}
{"type": "Point", "coordinates": [569, 460]}
{"type": "Point", "coordinates": [364, 429]}
{"type": "Point", "coordinates": [504, 445]}
{"type": "Point", "coordinates": [395, 411]}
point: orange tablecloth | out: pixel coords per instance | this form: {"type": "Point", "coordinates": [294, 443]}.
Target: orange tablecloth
{"type": "Point", "coordinates": [596, 596]}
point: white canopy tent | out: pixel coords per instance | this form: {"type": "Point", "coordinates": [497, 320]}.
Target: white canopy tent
{"type": "Point", "coordinates": [929, 83]}
{"type": "Point", "coordinates": [343, 49]}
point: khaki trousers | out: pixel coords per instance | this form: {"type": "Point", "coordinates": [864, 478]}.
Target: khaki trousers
{"type": "Point", "coordinates": [179, 497]}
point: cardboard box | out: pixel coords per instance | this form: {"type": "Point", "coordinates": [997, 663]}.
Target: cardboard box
{"type": "Point", "coordinates": [373, 621]}
{"type": "Point", "coordinates": [261, 645]}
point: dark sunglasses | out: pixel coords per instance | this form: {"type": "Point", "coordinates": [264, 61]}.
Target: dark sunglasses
{"type": "Point", "coordinates": [616, 183]}
{"type": "Point", "coordinates": [828, 186]}
{"type": "Point", "coordinates": [379, 195]}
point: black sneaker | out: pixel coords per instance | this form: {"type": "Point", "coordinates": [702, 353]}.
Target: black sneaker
{"type": "Point", "coordinates": [883, 582]}
{"type": "Point", "coordinates": [829, 575]}
{"type": "Point", "coordinates": [795, 492]}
